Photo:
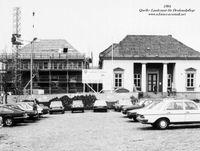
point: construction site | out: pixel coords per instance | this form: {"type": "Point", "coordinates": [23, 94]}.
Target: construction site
{"type": "Point", "coordinates": [42, 66]}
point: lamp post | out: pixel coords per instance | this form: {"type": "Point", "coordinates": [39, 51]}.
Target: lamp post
{"type": "Point", "coordinates": [31, 66]}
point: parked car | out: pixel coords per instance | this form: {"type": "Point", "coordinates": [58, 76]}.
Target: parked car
{"type": "Point", "coordinates": [100, 105]}
{"type": "Point", "coordinates": [132, 114]}
{"type": "Point", "coordinates": [33, 103]}
{"type": "Point", "coordinates": [139, 105]}
{"type": "Point", "coordinates": [31, 112]}
{"type": "Point", "coordinates": [170, 111]}
{"type": "Point", "coordinates": [45, 109]}
{"type": "Point", "coordinates": [77, 105]}
{"type": "Point", "coordinates": [11, 115]}
{"type": "Point", "coordinates": [121, 103]}
{"type": "Point", "coordinates": [56, 106]}
{"type": "Point", "coordinates": [1, 121]}
{"type": "Point", "coordinates": [13, 106]}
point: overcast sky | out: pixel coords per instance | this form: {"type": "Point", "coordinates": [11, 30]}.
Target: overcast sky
{"type": "Point", "coordinates": [93, 25]}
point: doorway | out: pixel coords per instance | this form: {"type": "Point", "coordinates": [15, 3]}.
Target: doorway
{"type": "Point", "coordinates": [152, 82]}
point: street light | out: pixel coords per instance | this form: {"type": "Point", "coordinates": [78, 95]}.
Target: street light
{"type": "Point", "coordinates": [31, 72]}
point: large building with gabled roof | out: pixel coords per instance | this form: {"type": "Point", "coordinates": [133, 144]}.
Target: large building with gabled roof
{"type": "Point", "coordinates": [151, 63]}
{"type": "Point", "coordinates": [57, 67]}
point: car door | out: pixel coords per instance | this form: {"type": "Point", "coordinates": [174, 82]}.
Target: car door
{"type": "Point", "coordinates": [175, 112]}
{"type": "Point", "coordinates": [192, 112]}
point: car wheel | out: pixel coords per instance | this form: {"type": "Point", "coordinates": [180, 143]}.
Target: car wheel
{"type": "Point", "coordinates": [50, 112]}
{"type": "Point", "coordinates": [8, 122]}
{"type": "Point", "coordinates": [162, 123]}
{"type": "Point", "coordinates": [63, 112]}
{"type": "Point", "coordinates": [83, 111]}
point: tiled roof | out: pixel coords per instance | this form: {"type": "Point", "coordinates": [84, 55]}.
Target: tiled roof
{"type": "Point", "coordinates": [49, 46]}
{"type": "Point", "coordinates": [149, 46]}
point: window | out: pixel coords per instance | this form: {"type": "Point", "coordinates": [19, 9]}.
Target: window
{"type": "Point", "coordinates": [118, 78]}
{"type": "Point", "coordinates": [55, 65]}
{"type": "Point", "coordinates": [45, 65]}
{"type": "Point", "coordinates": [137, 80]}
{"type": "Point", "coordinates": [190, 106]}
{"type": "Point", "coordinates": [40, 65]}
{"type": "Point", "coordinates": [169, 81]}
{"type": "Point", "coordinates": [60, 65]}
{"type": "Point", "coordinates": [79, 64]}
{"type": "Point", "coordinates": [175, 106]}
{"type": "Point", "coordinates": [190, 79]}
{"type": "Point", "coordinates": [54, 78]}
{"type": "Point", "coordinates": [25, 65]}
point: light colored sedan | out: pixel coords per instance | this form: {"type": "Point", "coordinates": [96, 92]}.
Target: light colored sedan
{"type": "Point", "coordinates": [170, 111]}
{"type": "Point", "coordinates": [56, 106]}
{"type": "Point", "coordinates": [122, 103]}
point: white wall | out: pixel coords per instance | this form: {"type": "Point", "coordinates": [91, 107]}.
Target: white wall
{"type": "Point", "coordinates": [180, 76]}
{"type": "Point", "coordinates": [127, 65]}
{"type": "Point", "coordinates": [108, 67]}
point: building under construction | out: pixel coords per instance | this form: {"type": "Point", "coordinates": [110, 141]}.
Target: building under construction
{"type": "Point", "coordinates": [56, 67]}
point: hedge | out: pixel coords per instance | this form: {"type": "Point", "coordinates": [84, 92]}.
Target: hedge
{"type": "Point", "coordinates": [88, 101]}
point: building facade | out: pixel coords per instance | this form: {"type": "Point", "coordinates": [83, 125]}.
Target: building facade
{"type": "Point", "coordinates": [56, 66]}
{"type": "Point", "coordinates": [151, 63]}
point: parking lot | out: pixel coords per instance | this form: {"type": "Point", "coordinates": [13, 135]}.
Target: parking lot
{"type": "Point", "coordinates": [90, 131]}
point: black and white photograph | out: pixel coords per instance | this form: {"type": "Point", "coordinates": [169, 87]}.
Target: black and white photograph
{"type": "Point", "coordinates": [99, 75]}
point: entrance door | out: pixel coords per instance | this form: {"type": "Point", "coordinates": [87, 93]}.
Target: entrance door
{"type": "Point", "coordinates": [152, 82]}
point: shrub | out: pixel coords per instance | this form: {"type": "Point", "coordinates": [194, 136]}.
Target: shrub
{"type": "Point", "coordinates": [67, 101]}
{"type": "Point", "coordinates": [88, 101]}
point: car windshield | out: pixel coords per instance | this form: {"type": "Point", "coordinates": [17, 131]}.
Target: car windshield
{"type": "Point", "coordinates": [77, 103]}
{"type": "Point", "coordinates": [25, 106]}
{"type": "Point", "coordinates": [100, 102]}
{"type": "Point", "coordinates": [155, 105]}
{"type": "Point", "coordinates": [125, 102]}
{"type": "Point", "coordinates": [141, 102]}
{"type": "Point", "coordinates": [56, 103]}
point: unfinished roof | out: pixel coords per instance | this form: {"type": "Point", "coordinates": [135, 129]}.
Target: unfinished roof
{"type": "Point", "coordinates": [149, 47]}
{"type": "Point", "coordinates": [49, 46]}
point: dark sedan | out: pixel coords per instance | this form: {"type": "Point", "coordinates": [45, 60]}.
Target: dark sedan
{"type": "Point", "coordinates": [32, 113]}
{"type": "Point", "coordinates": [100, 105]}
{"type": "Point", "coordinates": [139, 105]}
{"type": "Point", "coordinates": [11, 115]}
{"type": "Point", "coordinates": [132, 114]}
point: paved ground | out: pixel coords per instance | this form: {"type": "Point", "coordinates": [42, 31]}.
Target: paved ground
{"type": "Point", "coordinates": [96, 132]}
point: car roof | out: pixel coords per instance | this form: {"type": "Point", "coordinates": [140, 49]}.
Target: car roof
{"type": "Point", "coordinates": [77, 101]}
{"type": "Point", "coordinates": [178, 100]}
